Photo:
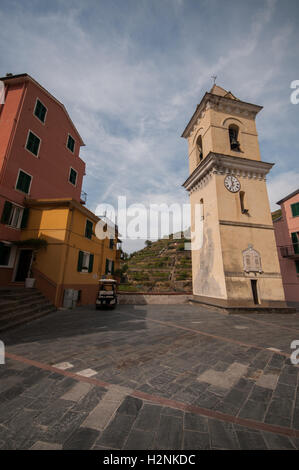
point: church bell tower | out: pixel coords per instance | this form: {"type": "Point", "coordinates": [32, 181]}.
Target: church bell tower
{"type": "Point", "coordinates": [234, 254]}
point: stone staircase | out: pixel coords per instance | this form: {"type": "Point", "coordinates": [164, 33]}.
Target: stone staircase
{"type": "Point", "coordinates": [19, 305]}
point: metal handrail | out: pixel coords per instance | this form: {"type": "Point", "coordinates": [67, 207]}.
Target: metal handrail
{"type": "Point", "coordinates": [83, 196]}
{"type": "Point", "coordinates": [289, 250]}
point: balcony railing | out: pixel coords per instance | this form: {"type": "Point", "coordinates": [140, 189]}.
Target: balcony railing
{"type": "Point", "coordinates": [83, 197]}
{"type": "Point", "coordinates": [290, 251]}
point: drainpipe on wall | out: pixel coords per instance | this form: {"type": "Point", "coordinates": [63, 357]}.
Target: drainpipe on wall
{"type": "Point", "coordinates": [69, 229]}
{"type": "Point", "coordinates": [13, 132]}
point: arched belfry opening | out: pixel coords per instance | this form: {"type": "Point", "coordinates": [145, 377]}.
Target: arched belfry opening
{"type": "Point", "coordinates": [233, 132]}
{"type": "Point", "coordinates": [199, 149]}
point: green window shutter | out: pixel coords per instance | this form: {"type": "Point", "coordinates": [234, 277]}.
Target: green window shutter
{"type": "Point", "coordinates": [20, 181]}
{"type": "Point", "coordinates": [297, 266]}
{"type": "Point", "coordinates": [30, 141]}
{"type": "Point", "coordinates": [36, 145]}
{"type": "Point", "coordinates": [80, 261]}
{"type": "Point", "coordinates": [43, 113]}
{"type": "Point", "coordinates": [112, 270]}
{"type": "Point", "coordinates": [107, 266]}
{"type": "Point", "coordinates": [25, 218]}
{"type": "Point", "coordinates": [38, 109]}
{"type": "Point", "coordinates": [88, 229]}
{"type": "Point", "coordinates": [295, 241]}
{"type": "Point", "coordinates": [295, 209]}
{"type": "Point", "coordinates": [90, 263]}
{"type": "Point", "coordinates": [6, 212]}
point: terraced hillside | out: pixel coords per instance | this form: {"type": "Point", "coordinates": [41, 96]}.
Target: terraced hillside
{"type": "Point", "coordinates": [162, 266]}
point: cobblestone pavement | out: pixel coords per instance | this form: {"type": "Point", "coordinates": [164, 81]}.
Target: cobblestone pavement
{"type": "Point", "coordinates": [150, 377]}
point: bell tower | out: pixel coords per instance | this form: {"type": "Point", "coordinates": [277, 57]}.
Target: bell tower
{"type": "Point", "coordinates": [234, 255]}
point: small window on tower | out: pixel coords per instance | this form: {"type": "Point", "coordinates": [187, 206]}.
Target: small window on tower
{"type": "Point", "coordinates": [202, 215]}
{"type": "Point", "coordinates": [233, 131]}
{"type": "Point", "coordinates": [199, 149]}
{"type": "Point", "coordinates": [242, 202]}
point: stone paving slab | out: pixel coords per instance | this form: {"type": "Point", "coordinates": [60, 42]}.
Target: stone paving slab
{"type": "Point", "coordinates": [149, 365]}
{"type": "Point", "coordinates": [135, 424]}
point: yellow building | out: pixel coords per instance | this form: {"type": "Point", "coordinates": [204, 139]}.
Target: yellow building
{"type": "Point", "coordinates": [74, 258]}
{"type": "Point", "coordinates": [234, 256]}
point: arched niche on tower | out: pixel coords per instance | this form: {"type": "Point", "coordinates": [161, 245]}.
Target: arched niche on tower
{"type": "Point", "coordinates": [198, 146]}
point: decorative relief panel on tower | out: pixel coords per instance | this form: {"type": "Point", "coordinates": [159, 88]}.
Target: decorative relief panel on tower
{"type": "Point", "coordinates": [252, 260]}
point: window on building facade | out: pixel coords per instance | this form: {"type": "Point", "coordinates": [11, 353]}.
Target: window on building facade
{"type": "Point", "coordinates": [14, 216]}
{"type": "Point", "coordinates": [73, 176]}
{"type": "Point", "coordinates": [88, 229]}
{"type": "Point", "coordinates": [242, 202]}
{"type": "Point", "coordinates": [295, 209]}
{"type": "Point", "coordinates": [33, 143]}
{"type": "Point", "coordinates": [40, 111]}
{"type": "Point", "coordinates": [5, 252]}
{"type": "Point", "coordinates": [23, 182]}
{"type": "Point", "coordinates": [109, 266]}
{"type": "Point", "coordinates": [111, 243]}
{"type": "Point", "coordinates": [71, 143]}
{"type": "Point", "coordinates": [85, 262]}
{"type": "Point", "coordinates": [295, 242]}
{"type": "Point", "coordinates": [297, 266]}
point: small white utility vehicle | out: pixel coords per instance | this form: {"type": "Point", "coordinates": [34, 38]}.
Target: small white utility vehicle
{"type": "Point", "coordinates": [107, 296]}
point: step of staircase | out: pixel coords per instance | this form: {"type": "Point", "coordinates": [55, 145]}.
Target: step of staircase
{"type": "Point", "coordinates": [20, 305]}
{"type": "Point", "coordinates": [14, 305]}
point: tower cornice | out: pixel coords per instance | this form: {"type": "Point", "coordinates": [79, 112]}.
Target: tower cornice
{"type": "Point", "coordinates": [221, 103]}
{"type": "Point", "coordinates": [216, 163]}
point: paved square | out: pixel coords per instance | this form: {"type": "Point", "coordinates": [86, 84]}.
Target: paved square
{"type": "Point", "coordinates": [150, 377]}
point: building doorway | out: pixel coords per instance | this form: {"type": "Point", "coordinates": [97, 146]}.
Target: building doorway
{"type": "Point", "coordinates": [23, 266]}
{"type": "Point", "coordinates": [254, 291]}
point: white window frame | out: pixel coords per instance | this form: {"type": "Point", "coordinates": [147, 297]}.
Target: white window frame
{"type": "Point", "coordinates": [71, 168]}
{"type": "Point", "coordinates": [110, 264]}
{"type": "Point", "coordinates": [72, 151]}
{"type": "Point", "coordinates": [22, 192]}
{"type": "Point", "coordinates": [42, 122]}
{"type": "Point", "coordinates": [86, 259]}
{"type": "Point", "coordinates": [40, 143]}
{"type": "Point", "coordinates": [19, 219]}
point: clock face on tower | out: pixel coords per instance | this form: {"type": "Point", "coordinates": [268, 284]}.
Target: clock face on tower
{"type": "Point", "coordinates": [232, 183]}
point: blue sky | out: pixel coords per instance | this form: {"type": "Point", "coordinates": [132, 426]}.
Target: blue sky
{"type": "Point", "coordinates": [131, 73]}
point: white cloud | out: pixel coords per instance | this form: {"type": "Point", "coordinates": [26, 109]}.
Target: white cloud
{"type": "Point", "coordinates": [281, 185]}
{"type": "Point", "coordinates": [130, 97]}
